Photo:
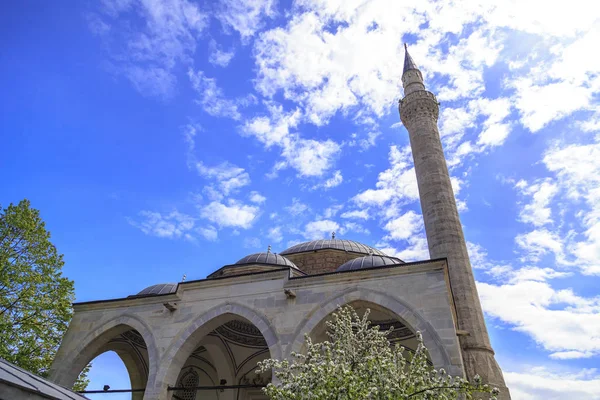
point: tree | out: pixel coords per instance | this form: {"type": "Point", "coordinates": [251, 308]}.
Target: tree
{"type": "Point", "coordinates": [359, 363]}
{"type": "Point", "coordinates": [35, 299]}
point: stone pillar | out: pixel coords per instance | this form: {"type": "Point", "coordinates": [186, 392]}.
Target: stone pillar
{"type": "Point", "coordinates": [419, 112]}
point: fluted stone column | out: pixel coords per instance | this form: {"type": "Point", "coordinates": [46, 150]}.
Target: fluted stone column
{"type": "Point", "coordinates": [419, 112]}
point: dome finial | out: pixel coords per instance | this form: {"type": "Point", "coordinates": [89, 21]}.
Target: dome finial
{"type": "Point", "coordinates": [184, 278]}
{"type": "Point", "coordinates": [333, 235]}
{"type": "Point", "coordinates": [269, 249]}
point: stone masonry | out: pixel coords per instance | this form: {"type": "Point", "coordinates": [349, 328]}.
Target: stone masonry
{"type": "Point", "coordinates": [320, 261]}
{"type": "Point", "coordinates": [419, 112]}
{"type": "Point", "coordinates": [418, 294]}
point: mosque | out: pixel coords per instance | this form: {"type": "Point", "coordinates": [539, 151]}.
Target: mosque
{"type": "Point", "coordinates": [202, 339]}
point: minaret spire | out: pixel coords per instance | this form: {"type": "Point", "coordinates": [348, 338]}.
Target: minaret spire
{"type": "Point", "coordinates": [408, 61]}
{"type": "Point", "coordinates": [419, 111]}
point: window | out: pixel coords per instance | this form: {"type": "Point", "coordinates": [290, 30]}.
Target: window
{"type": "Point", "coordinates": [189, 379]}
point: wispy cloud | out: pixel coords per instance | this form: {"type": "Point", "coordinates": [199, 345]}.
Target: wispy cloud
{"type": "Point", "coordinates": [173, 225]}
{"type": "Point", "coordinates": [146, 40]}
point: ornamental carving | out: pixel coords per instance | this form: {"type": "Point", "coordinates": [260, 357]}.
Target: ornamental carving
{"type": "Point", "coordinates": [242, 333]}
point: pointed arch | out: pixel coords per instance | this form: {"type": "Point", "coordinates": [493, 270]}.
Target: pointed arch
{"type": "Point", "coordinates": [66, 367]}
{"type": "Point", "coordinates": [404, 311]}
{"type": "Point", "coordinates": [188, 338]}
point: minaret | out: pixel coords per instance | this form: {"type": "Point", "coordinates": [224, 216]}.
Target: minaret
{"type": "Point", "coordinates": [419, 112]}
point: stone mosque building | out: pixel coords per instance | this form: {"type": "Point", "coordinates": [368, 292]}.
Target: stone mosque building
{"type": "Point", "coordinates": [202, 339]}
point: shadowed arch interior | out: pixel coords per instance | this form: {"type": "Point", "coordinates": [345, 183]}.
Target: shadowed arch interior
{"type": "Point", "coordinates": [125, 339]}
{"type": "Point", "coordinates": [233, 330]}
{"type": "Point", "coordinates": [402, 334]}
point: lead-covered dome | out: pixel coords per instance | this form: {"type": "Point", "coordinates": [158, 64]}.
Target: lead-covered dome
{"type": "Point", "coordinates": [335, 244]}
{"type": "Point", "coordinates": [369, 262]}
{"type": "Point", "coordinates": [257, 262]}
{"type": "Point", "coordinates": [161, 288]}
{"type": "Point", "coordinates": [266, 259]}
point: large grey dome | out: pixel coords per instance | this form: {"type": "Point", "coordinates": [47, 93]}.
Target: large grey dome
{"type": "Point", "coordinates": [161, 288]}
{"type": "Point", "coordinates": [266, 259]}
{"type": "Point", "coordinates": [369, 262]}
{"type": "Point", "coordinates": [339, 244]}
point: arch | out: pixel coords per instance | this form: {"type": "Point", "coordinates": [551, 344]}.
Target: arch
{"type": "Point", "coordinates": [66, 368]}
{"type": "Point", "coordinates": [405, 312]}
{"type": "Point", "coordinates": [188, 338]}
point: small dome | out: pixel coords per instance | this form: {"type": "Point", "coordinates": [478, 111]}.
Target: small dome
{"type": "Point", "coordinates": [161, 288]}
{"type": "Point", "coordinates": [369, 262]}
{"type": "Point", "coordinates": [338, 244]}
{"type": "Point", "coordinates": [266, 259]}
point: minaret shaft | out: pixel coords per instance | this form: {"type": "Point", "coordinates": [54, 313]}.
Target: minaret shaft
{"type": "Point", "coordinates": [419, 112]}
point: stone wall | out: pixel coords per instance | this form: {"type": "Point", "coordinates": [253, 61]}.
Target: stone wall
{"type": "Point", "coordinates": [320, 261]}
{"type": "Point", "coordinates": [283, 308]}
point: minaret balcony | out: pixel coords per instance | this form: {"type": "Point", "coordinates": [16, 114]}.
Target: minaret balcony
{"type": "Point", "coordinates": [421, 103]}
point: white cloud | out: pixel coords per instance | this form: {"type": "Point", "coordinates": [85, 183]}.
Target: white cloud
{"type": "Point", "coordinates": [257, 198]}
{"type": "Point", "coordinates": [356, 214]}
{"type": "Point", "coordinates": [309, 157]}
{"type": "Point", "coordinates": [404, 226]}
{"type": "Point", "coordinates": [332, 211]}
{"type": "Point", "coordinates": [251, 243]}
{"type": "Point", "coordinates": [570, 355]}
{"type": "Point", "coordinates": [147, 51]}
{"type": "Point", "coordinates": [396, 184]}
{"type": "Point", "coordinates": [415, 250]}
{"type": "Point", "coordinates": [229, 177]}
{"type": "Point", "coordinates": [354, 227]}
{"type": "Point", "coordinates": [233, 214]}
{"type": "Point", "coordinates": [245, 16]}
{"type": "Point", "coordinates": [275, 234]}
{"type": "Point", "coordinates": [320, 229]}
{"type": "Point", "coordinates": [539, 383]}
{"type": "Point", "coordinates": [218, 56]}
{"type": "Point", "coordinates": [209, 233]}
{"type": "Point", "coordinates": [212, 98]}
{"type": "Point", "coordinates": [577, 168]}
{"type": "Point", "coordinates": [558, 320]}
{"type": "Point", "coordinates": [541, 104]}
{"type": "Point", "coordinates": [329, 183]}
{"type": "Point", "coordinates": [538, 211]}
{"type": "Point", "coordinates": [297, 207]}
{"type": "Point", "coordinates": [173, 225]}
{"type": "Point", "coordinates": [491, 131]}
{"type": "Point", "coordinates": [538, 243]}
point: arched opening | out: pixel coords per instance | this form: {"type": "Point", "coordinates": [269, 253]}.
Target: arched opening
{"type": "Point", "coordinates": [131, 352]}
{"type": "Point", "coordinates": [401, 335]}
{"type": "Point", "coordinates": [108, 368]}
{"type": "Point", "coordinates": [227, 356]}
{"type": "Point", "coordinates": [126, 336]}
{"type": "Point", "coordinates": [233, 363]}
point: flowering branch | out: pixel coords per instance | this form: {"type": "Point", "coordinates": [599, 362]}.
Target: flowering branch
{"type": "Point", "coordinates": [358, 362]}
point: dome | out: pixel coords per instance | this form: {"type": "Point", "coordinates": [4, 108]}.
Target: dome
{"type": "Point", "coordinates": [338, 244]}
{"type": "Point", "coordinates": [161, 288]}
{"type": "Point", "coordinates": [266, 259]}
{"type": "Point", "coordinates": [369, 262]}
{"type": "Point", "coordinates": [257, 262]}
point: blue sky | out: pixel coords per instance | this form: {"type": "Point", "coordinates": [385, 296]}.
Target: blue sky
{"type": "Point", "coordinates": [170, 137]}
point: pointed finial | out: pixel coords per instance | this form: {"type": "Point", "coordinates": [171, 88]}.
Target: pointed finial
{"type": "Point", "coordinates": [183, 278]}
{"type": "Point", "coordinates": [269, 249]}
{"type": "Point", "coordinates": [408, 61]}
{"type": "Point", "coordinates": [332, 235]}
